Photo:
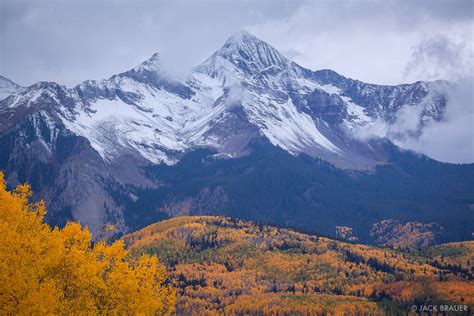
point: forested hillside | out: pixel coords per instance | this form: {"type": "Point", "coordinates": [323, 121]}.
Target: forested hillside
{"type": "Point", "coordinates": [224, 265]}
{"type": "Point", "coordinates": [216, 265]}
{"type": "Point", "coordinates": [422, 201]}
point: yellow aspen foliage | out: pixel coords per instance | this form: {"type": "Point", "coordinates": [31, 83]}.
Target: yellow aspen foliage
{"type": "Point", "coordinates": [60, 271]}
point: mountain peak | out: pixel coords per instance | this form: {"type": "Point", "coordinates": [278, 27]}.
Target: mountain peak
{"type": "Point", "coordinates": [242, 36]}
{"type": "Point", "coordinates": [151, 64]}
{"type": "Point", "coordinates": [8, 87]}
{"type": "Point", "coordinates": [4, 81]}
{"type": "Point", "coordinates": [250, 54]}
{"type": "Point", "coordinates": [143, 71]}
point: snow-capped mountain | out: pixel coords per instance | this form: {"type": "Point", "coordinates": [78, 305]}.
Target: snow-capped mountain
{"type": "Point", "coordinates": [246, 89]}
{"type": "Point", "coordinates": [85, 147]}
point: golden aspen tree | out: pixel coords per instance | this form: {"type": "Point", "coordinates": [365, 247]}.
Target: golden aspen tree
{"type": "Point", "coordinates": [59, 271]}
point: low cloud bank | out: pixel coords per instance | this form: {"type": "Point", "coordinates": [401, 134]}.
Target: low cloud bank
{"type": "Point", "coordinates": [450, 139]}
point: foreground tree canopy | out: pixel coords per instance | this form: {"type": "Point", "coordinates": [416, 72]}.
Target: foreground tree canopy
{"type": "Point", "coordinates": [59, 271]}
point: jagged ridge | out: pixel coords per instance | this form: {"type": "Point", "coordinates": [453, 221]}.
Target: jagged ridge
{"type": "Point", "coordinates": [246, 89]}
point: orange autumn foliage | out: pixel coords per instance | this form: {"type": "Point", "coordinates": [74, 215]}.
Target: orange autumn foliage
{"type": "Point", "coordinates": [59, 271]}
{"type": "Point", "coordinates": [229, 266]}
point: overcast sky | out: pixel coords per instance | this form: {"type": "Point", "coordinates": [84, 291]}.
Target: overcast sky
{"type": "Point", "coordinates": [387, 42]}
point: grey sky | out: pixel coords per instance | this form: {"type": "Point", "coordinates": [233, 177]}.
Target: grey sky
{"type": "Point", "coordinates": [374, 41]}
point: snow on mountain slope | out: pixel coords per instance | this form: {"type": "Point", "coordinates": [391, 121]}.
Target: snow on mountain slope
{"type": "Point", "coordinates": [139, 111]}
{"type": "Point", "coordinates": [8, 87]}
{"type": "Point", "coordinates": [148, 125]}
{"type": "Point", "coordinates": [261, 76]}
{"type": "Point", "coordinates": [245, 90]}
{"type": "Point", "coordinates": [285, 126]}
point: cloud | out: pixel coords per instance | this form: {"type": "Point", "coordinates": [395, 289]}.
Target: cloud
{"type": "Point", "coordinates": [236, 95]}
{"type": "Point", "coordinates": [438, 57]}
{"type": "Point", "coordinates": [452, 138]}
{"type": "Point", "coordinates": [378, 128]}
{"type": "Point", "coordinates": [367, 40]}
